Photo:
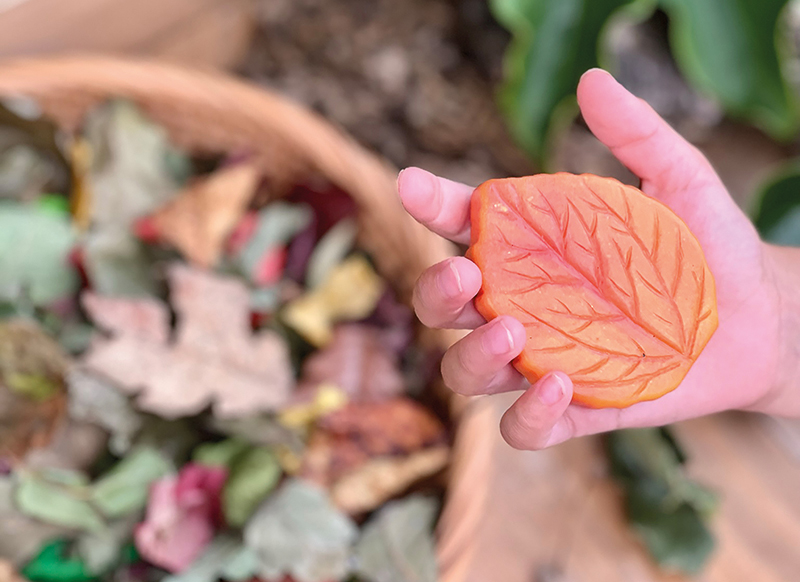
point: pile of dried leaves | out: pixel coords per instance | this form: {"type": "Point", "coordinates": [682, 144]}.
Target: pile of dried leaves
{"type": "Point", "coordinates": [195, 386]}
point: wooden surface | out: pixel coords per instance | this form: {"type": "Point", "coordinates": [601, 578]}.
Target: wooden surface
{"type": "Point", "coordinates": [554, 516]}
{"type": "Point", "coordinates": [213, 33]}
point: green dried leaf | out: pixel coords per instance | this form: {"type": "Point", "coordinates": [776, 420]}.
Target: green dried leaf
{"type": "Point", "coordinates": [277, 224]}
{"type": "Point", "coordinates": [330, 251]}
{"type": "Point", "coordinates": [117, 264]}
{"type": "Point", "coordinates": [93, 400]}
{"type": "Point", "coordinates": [56, 504]}
{"type": "Point", "coordinates": [252, 477]}
{"type": "Point", "coordinates": [397, 544]}
{"type": "Point", "coordinates": [125, 488]}
{"type": "Point", "coordinates": [21, 536]}
{"type": "Point", "coordinates": [102, 550]}
{"type": "Point", "coordinates": [226, 557]}
{"type": "Point", "coordinates": [298, 532]}
{"type": "Point", "coordinates": [221, 454]}
{"type": "Point", "coordinates": [130, 174]}
{"type": "Point", "coordinates": [34, 254]}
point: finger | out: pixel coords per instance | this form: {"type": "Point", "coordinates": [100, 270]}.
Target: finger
{"type": "Point", "coordinates": [480, 363]}
{"type": "Point", "coordinates": [444, 293]}
{"type": "Point", "coordinates": [439, 204]}
{"type": "Point", "coordinates": [531, 422]}
{"type": "Point", "coordinates": [667, 164]}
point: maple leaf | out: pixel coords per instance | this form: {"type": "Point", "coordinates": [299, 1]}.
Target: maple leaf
{"type": "Point", "coordinates": [200, 219]}
{"type": "Point", "coordinates": [358, 362]}
{"type": "Point", "coordinates": [215, 359]}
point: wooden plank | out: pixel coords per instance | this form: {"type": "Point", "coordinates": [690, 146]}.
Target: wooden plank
{"type": "Point", "coordinates": [556, 516]}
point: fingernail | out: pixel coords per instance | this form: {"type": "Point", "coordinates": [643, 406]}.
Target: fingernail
{"type": "Point", "coordinates": [550, 390]}
{"type": "Point", "coordinates": [450, 282]}
{"type": "Point", "coordinates": [498, 339]}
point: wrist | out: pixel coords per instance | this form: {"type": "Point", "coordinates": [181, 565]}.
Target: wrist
{"type": "Point", "coordinates": [783, 265]}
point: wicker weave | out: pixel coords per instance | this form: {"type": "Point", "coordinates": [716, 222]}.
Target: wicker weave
{"type": "Point", "coordinates": [214, 113]}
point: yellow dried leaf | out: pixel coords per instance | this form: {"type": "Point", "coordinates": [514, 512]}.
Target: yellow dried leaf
{"type": "Point", "coordinates": [80, 154]}
{"type": "Point", "coordinates": [328, 397]}
{"type": "Point", "coordinates": [350, 292]}
{"type": "Point", "coordinates": [200, 219]}
{"type": "Point", "coordinates": [380, 479]}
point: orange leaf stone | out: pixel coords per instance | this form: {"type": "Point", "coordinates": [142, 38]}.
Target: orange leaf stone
{"type": "Point", "coordinates": [611, 286]}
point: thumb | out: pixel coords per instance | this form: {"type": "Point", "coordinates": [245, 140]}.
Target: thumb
{"type": "Point", "coordinates": [530, 422]}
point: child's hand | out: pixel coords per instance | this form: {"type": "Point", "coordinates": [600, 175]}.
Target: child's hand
{"type": "Point", "coordinates": [746, 363]}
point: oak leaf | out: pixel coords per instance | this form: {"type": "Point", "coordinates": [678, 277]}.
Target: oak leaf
{"type": "Point", "coordinates": [215, 359]}
{"type": "Point", "coordinates": [610, 284]}
{"type": "Point", "coordinates": [198, 221]}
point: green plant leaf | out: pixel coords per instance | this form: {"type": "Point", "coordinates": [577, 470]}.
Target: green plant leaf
{"type": "Point", "coordinates": [252, 477]}
{"type": "Point", "coordinates": [776, 212]}
{"type": "Point", "coordinates": [125, 488]}
{"type": "Point", "coordinates": [397, 544]}
{"type": "Point", "coordinates": [34, 249]}
{"type": "Point", "coordinates": [665, 507]}
{"type": "Point", "coordinates": [55, 504]}
{"type": "Point", "coordinates": [553, 43]}
{"type": "Point", "coordinates": [729, 49]}
{"type": "Point", "coordinates": [677, 538]}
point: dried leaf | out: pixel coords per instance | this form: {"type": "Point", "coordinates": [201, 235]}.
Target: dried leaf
{"type": "Point", "coordinates": [253, 475]}
{"type": "Point", "coordinates": [298, 532]}
{"type": "Point", "coordinates": [198, 221]}
{"type": "Point", "coordinates": [326, 398]}
{"type": "Point", "coordinates": [612, 286]}
{"type": "Point", "coordinates": [100, 551]}
{"type": "Point", "coordinates": [275, 225]}
{"type": "Point", "coordinates": [117, 264]}
{"type": "Point", "coordinates": [28, 352]}
{"type": "Point", "coordinates": [397, 545]}
{"type": "Point", "coordinates": [330, 251]}
{"type": "Point", "coordinates": [225, 558]}
{"type": "Point", "coordinates": [350, 292]}
{"type": "Point", "coordinates": [124, 489]}
{"type": "Point", "coordinates": [34, 254]}
{"type": "Point", "coordinates": [92, 399]}
{"type": "Point", "coordinates": [20, 536]}
{"type": "Point", "coordinates": [348, 438]}
{"type": "Point", "coordinates": [373, 483]}
{"type": "Point", "coordinates": [221, 454]}
{"type": "Point", "coordinates": [214, 359]}
{"type": "Point", "coordinates": [58, 504]}
{"type": "Point", "coordinates": [358, 362]}
{"type": "Point", "coordinates": [131, 174]}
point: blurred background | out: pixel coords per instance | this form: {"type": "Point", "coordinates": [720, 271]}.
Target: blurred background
{"type": "Point", "coordinates": [476, 89]}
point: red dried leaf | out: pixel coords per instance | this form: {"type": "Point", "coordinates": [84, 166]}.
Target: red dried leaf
{"type": "Point", "coordinates": [611, 285]}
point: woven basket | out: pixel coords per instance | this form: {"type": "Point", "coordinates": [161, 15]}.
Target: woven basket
{"type": "Point", "coordinates": [214, 113]}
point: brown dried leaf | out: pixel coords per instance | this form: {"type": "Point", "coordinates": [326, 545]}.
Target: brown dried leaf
{"type": "Point", "coordinates": [202, 216]}
{"type": "Point", "coordinates": [214, 359]}
{"type": "Point", "coordinates": [358, 362]}
{"type": "Point", "coordinates": [358, 432]}
{"type": "Point", "coordinates": [27, 420]}
{"type": "Point", "coordinates": [378, 480]}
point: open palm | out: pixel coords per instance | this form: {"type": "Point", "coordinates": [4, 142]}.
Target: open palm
{"type": "Point", "coordinates": [738, 367]}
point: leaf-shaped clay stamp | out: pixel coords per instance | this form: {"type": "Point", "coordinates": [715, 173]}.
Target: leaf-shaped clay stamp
{"type": "Point", "coordinates": [612, 287]}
